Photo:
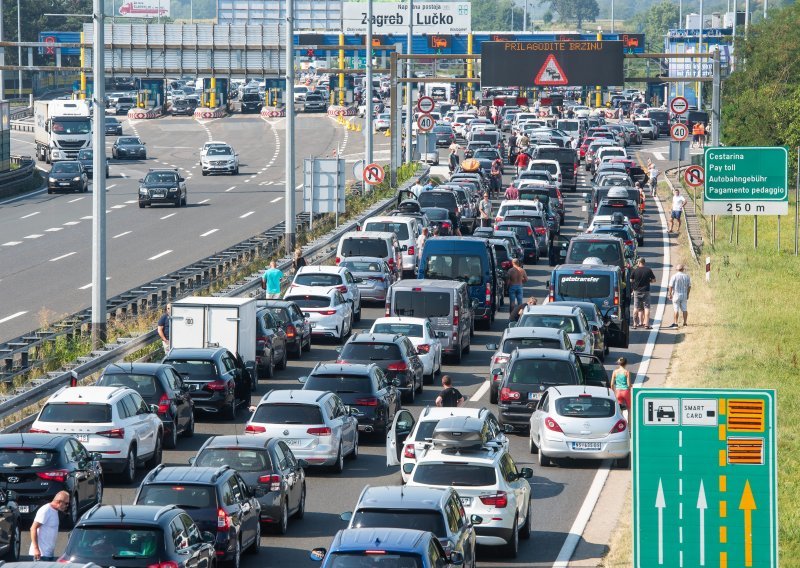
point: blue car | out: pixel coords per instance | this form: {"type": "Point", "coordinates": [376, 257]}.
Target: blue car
{"type": "Point", "coordinates": [385, 548]}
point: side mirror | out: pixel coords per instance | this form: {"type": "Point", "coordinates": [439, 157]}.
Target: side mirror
{"type": "Point", "coordinates": [306, 315]}
{"type": "Point", "coordinates": [498, 372]}
{"type": "Point", "coordinates": [508, 428]}
{"type": "Point", "coordinates": [475, 519]}
{"type": "Point", "coordinates": [395, 382]}
{"type": "Point", "coordinates": [346, 516]}
{"type": "Point", "coordinates": [154, 408]}
{"type": "Point", "coordinates": [208, 537]}
{"type": "Point", "coordinates": [456, 559]}
{"type": "Point", "coordinates": [318, 554]}
{"type": "Point", "coordinates": [491, 346]}
{"type": "Point", "coordinates": [525, 473]}
{"type": "Point", "coordinates": [512, 324]}
{"type": "Point", "coordinates": [96, 456]}
{"type": "Point", "coordinates": [302, 379]}
{"type": "Point", "coordinates": [141, 180]}
{"type": "Point", "coordinates": [192, 460]}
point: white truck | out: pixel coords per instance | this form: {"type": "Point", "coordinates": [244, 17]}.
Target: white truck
{"type": "Point", "coordinates": [203, 322]}
{"type": "Point", "coordinates": [61, 129]}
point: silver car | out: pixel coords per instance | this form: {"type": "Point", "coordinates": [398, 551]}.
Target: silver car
{"type": "Point", "coordinates": [568, 318]}
{"type": "Point", "coordinates": [373, 276]}
{"type": "Point", "coordinates": [579, 422]}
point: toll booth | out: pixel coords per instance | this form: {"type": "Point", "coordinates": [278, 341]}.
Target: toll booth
{"type": "Point", "coordinates": [274, 94]}
{"type": "Point", "coordinates": [215, 93]}
{"type": "Point", "coordinates": [78, 94]}
{"type": "Point", "coordinates": [152, 93]}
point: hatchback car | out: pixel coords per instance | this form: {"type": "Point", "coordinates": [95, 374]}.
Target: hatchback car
{"type": "Point", "coordinates": [374, 274]}
{"type": "Point", "coordinates": [290, 317]}
{"type": "Point", "coordinates": [440, 222]}
{"type": "Point", "coordinates": [37, 466]}
{"type": "Point", "coordinates": [128, 147]}
{"type": "Point", "coordinates": [216, 498]}
{"type": "Point", "coordinates": [525, 235]}
{"type": "Point", "coordinates": [86, 158]}
{"type": "Point", "coordinates": [328, 313]}
{"type": "Point", "coordinates": [134, 536]}
{"type": "Point", "coordinates": [385, 547]}
{"type": "Point", "coordinates": [67, 176]}
{"type": "Point", "coordinates": [321, 278]}
{"type": "Point", "coordinates": [316, 425]}
{"type": "Point", "coordinates": [425, 340]}
{"type": "Point", "coordinates": [579, 422]}
{"type": "Point", "coordinates": [569, 318]}
{"type": "Point", "coordinates": [272, 473]}
{"type": "Point", "coordinates": [162, 186]}
{"type": "Point", "coordinates": [271, 350]}
{"type": "Point", "coordinates": [595, 319]}
{"type": "Point", "coordinates": [184, 106]}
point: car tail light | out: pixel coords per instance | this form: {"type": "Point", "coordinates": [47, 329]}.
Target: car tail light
{"type": "Point", "coordinates": [223, 520]}
{"type": "Point", "coordinates": [540, 230]}
{"type": "Point", "coordinates": [367, 401]}
{"type": "Point", "coordinates": [446, 225]}
{"type": "Point", "coordinates": [500, 359]}
{"type": "Point", "coordinates": [409, 452]}
{"type": "Point", "coordinates": [274, 481]}
{"type": "Point", "coordinates": [456, 317]}
{"type": "Point", "coordinates": [388, 309]}
{"type": "Point", "coordinates": [402, 367]}
{"type": "Point", "coordinates": [216, 386]}
{"type": "Point", "coordinates": [253, 429]}
{"type": "Point", "coordinates": [580, 344]}
{"type": "Point", "coordinates": [38, 431]}
{"type": "Point", "coordinates": [507, 394]}
{"type": "Point", "coordinates": [342, 289]}
{"type": "Point", "coordinates": [338, 260]}
{"type": "Point", "coordinates": [410, 250]}
{"type": "Point", "coordinates": [616, 297]}
{"type": "Point", "coordinates": [506, 264]}
{"type": "Point", "coordinates": [530, 232]}
{"type": "Point", "coordinates": [423, 348]}
{"type": "Point", "coordinates": [552, 425]}
{"type": "Point", "coordinates": [488, 298]}
{"type": "Point", "coordinates": [559, 178]}
{"type": "Point", "coordinates": [635, 221]}
{"type": "Point", "coordinates": [113, 433]}
{"type": "Point", "coordinates": [163, 404]}
{"type": "Point", "coordinates": [498, 500]}
{"type": "Point", "coordinates": [324, 431]}
{"type": "Point", "coordinates": [59, 475]}
{"type": "Point", "coordinates": [390, 262]}
{"type": "Point", "coordinates": [498, 218]}
{"type": "Point", "coordinates": [164, 564]}
{"type": "Point", "coordinates": [620, 426]}
{"type": "Point", "coordinates": [291, 331]}
{"type": "Point", "coordinates": [328, 313]}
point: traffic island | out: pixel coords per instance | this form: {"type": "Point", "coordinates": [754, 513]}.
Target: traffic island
{"type": "Point", "coordinates": [144, 113]}
{"type": "Point", "coordinates": [205, 113]}
{"type": "Point", "coordinates": [273, 112]}
{"type": "Point", "coordinates": [339, 110]}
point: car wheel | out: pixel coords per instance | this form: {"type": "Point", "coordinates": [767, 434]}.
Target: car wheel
{"type": "Point", "coordinates": [357, 316]}
{"type": "Point", "coordinates": [624, 463]}
{"type": "Point", "coordinates": [171, 441]}
{"type": "Point", "coordinates": [189, 432]}
{"type": "Point", "coordinates": [141, 204]}
{"type": "Point", "coordinates": [493, 395]}
{"type": "Point", "coordinates": [86, 187]}
{"type": "Point", "coordinates": [284, 360]}
{"type": "Point", "coordinates": [301, 507]}
{"type": "Point", "coordinates": [354, 454]}
{"type": "Point", "coordinates": [157, 453]}
{"type": "Point", "coordinates": [73, 513]}
{"type": "Point", "coordinates": [269, 372]}
{"type": "Point", "coordinates": [255, 548]}
{"type": "Point", "coordinates": [283, 523]}
{"type": "Point", "coordinates": [49, 191]}
{"type": "Point", "coordinates": [230, 411]}
{"type": "Point", "coordinates": [183, 201]}
{"type": "Point", "coordinates": [512, 548]}
{"type": "Point", "coordinates": [338, 467]}
{"type": "Point", "coordinates": [544, 461]}
{"type": "Point", "coordinates": [98, 491]}
{"type": "Point", "coordinates": [236, 171]}
{"type": "Point", "coordinates": [14, 546]}
{"type": "Point", "coordinates": [177, 202]}
{"type": "Point", "coordinates": [411, 395]}
{"type": "Point", "coordinates": [525, 531]}
{"type": "Point", "coordinates": [204, 174]}
{"type": "Point", "coordinates": [427, 379]}
{"type": "Point", "coordinates": [129, 474]}
{"type": "Point", "coordinates": [341, 337]}
{"type": "Point", "coordinates": [532, 446]}
{"type": "Point", "coordinates": [306, 347]}
{"type": "Point", "coordinates": [421, 383]}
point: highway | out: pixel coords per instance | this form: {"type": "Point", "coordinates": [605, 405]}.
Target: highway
{"type": "Point", "coordinates": [558, 492]}
{"type": "Point", "coordinates": [45, 240]}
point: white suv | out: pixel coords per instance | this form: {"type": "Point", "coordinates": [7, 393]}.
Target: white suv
{"type": "Point", "coordinates": [113, 421]}
{"type": "Point", "coordinates": [316, 278]}
{"type": "Point", "coordinates": [488, 483]}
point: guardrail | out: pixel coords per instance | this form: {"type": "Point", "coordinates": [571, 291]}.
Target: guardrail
{"type": "Point", "coordinates": [21, 113]}
{"type": "Point", "coordinates": [26, 166]}
{"type": "Point", "coordinates": [205, 273]}
{"type": "Point", "coordinates": [22, 126]}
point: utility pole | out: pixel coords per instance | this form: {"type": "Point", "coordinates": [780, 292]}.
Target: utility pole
{"type": "Point", "coordinates": [612, 16]}
{"type": "Point", "coordinates": [19, 51]}
{"type": "Point", "coordinates": [368, 90]}
{"type": "Point", "coordinates": [409, 85]}
{"type": "Point", "coordinates": [700, 61]}
{"type": "Point", "coordinates": [715, 100]}
{"type": "Point", "coordinates": [99, 186]}
{"type": "Point", "coordinates": [2, 57]}
{"type": "Point", "coordinates": [289, 164]}
{"type": "Point", "coordinates": [524, 17]}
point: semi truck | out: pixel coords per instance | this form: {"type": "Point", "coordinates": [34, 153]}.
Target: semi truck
{"type": "Point", "coordinates": [62, 128]}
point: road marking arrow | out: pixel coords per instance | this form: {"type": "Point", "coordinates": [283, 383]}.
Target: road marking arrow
{"type": "Point", "coordinates": [748, 505]}
{"type": "Point", "coordinates": [702, 505]}
{"type": "Point", "coordinates": [660, 505]}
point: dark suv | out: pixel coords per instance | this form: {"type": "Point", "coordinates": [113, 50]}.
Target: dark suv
{"type": "Point", "coordinates": [567, 159]}
{"type": "Point", "coordinates": [159, 385]}
{"type": "Point", "coordinates": [217, 382]}
{"type": "Point", "coordinates": [137, 536]}
{"type": "Point", "coordinates": [269, 468]}
{"type": "Point", "coordinates": [162, 186]}
{"type": "Point", "coordinates": [271, 349]}
{"type": "Point", "coordinates": [629, 209]}
{"type": "Point", "coordinates": [251, 102]}
{"type": "Point", "coordinates": [394, 354]}
{"type": "Point", "coordinates": [37, 466]}
{"type": "Point", "coordinates": [442, 198]}
{"type": "Point", "coordinates": [361, 387]}
{"type": "Point", "coordinates": [184, 106]}
{"type": "Point", "coordinates": [217, 499]}
{"type": "Point", "coordinates": [298, 330]}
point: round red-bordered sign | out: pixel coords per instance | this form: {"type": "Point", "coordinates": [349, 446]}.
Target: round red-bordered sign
{"type": "Point", "coordinates": [425, 123]}
{"type": "Point", "coordinates": [695, 176]}
{"type": "Point", "coordinates": [373, 174]}
{"type": "Point", "coordinates": [425, 104]}
{"type": "Point", "coordinates": [679, 105]}
{"type": "Point", "coordinates": [679, 132]}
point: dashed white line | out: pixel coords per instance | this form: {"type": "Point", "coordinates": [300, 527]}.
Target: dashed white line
{"type": "Point", "coordinates": [481, 391]}
{"type": "Point", "coordinates": [33, 236]}
{"type": "Point", "coordinates": [122, 234]}
{"type": "Point", "coordinates": [159, 255]}
{"type": "Point", "coordinates": [89, 285]}
{"type": "Point", "coordinates": [54, 229]}
{"type": "Point", "coordinates": [204, 201]}
{"type": "Point", "coordinates": [76, 199]}
{"type": "Point", "coordinates": [62, 256]}
{"type": "Point", "coordinates": [29, 215]}
{"type": "Point", "coordinates": [246, 214]}
{"type": "Point", "coordinates": [85, 217]}
{"type": "Point", "coordinates": [277, 199]}
{"type": "Point", "coordinates": [12, 316]}
{"type": "Point", "coordinates": [131, 201]}
{"type": "Point", "coordinates": [209, 232]}
{"type": "Point", "coordinates": [70, 223]}
{"type": "Point", "coordinates": [110, 186]}
{"type": "Point", "coordinates": [123, 175]}
{"type": "Point", "coordinates": [117, 206]}
{"type": "Point", "coordinates": [167, 216]}
{"type": "Point", "coordinates": [12, 243]}
{"type": "Point", "coordinates": [231, 188]}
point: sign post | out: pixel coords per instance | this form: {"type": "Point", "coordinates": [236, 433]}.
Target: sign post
{"type": "Point", "coordinates": [679, 132]}
{"type": "Point", "coordinates": [705, 478]}
{"type": "Point", "coordinates": [746, 181]}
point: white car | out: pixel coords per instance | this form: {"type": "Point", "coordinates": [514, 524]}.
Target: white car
{"type": "Point", "coordinates": [647, 127]}
{"type": "Point", "coordinates": [300, 92]}
{"type": "Point", "coordinates": [581, 111]}
{"type": "Point", "coordinates": [407, 230]}
{"type": "Point", "coordinates": [211, 144]}
{"type": "Point", "coordinates": [381, 122]}
{"type": "Point", "coordinates": [328, 313]}
{"type": "Point", "coordinates": [580, 422]}
{"type": "Point", "coordinates": [422, 336]}
{"type": "Point", "coordinates": [220, 159]}
{"type": "Point", "coordinates": [569, 318]}
{"type": "Point", "coordinates": [321, 278]}
{"type": "Point", "coordinates": [112, 421]}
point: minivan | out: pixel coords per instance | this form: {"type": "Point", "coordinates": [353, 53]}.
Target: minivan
{"type": "Point", "coordinates": [407, 230]}
{"type": "Point", "coordinates": [466, 259]}
{"type": "Point", "coordinates": [376, 244]}
{"type": "Point", "coordinates": [445, 303]}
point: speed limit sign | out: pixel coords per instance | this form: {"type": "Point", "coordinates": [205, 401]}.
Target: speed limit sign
{"type": "Point", "coordinates": [679, 132]}
{"type": "Point", "coordinates": [425, 123]}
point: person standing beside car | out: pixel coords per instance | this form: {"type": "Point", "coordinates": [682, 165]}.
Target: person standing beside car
{"type": "Point", "coordinates": [517, 277]}
{"type": "Point", "coordinates": [449, 396]}
{"type": "Point", "coordinates": [163, 328]}
{"type": "Point", "coordinates": [271, 281]}
{"type": "Point", "coordinates": [641, 278]}
{"type": "Point", "coordinates": [44, 530]}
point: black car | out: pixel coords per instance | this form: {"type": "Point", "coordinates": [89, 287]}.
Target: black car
{"type": "Point", "coordinates": [629, 209]}
{"type": "Point", "coordinates": [37, 466]}
{"type": "Point", "coordinates": [113, 126]}
{"type": "Point", "coordinates": [444, 135]}
{"type": "Point", "coordinates": [124, 104]}
{"type": "Point", "coordinates": [217, 381]}
{"type": "Point", "coordinates": [442, 198]}
{"type": "Point", "coordinates": [10, 533]}
{"type": "Point", "coordinates": [162, 186]}
{"type": "Point", "coordinates": [252, 102]}
{"type": "Point", "coordinates": [525, 236]}
{"type": "Point", "coordinates": [86, 159]}
{"type": "Point", "coordinates": [394, 354]}
{"type": "Point", "coordinates": [67, 176]}
{"type": "Point", "coordinates": [271, 351]}
{"type": "Point", "coordinates": [486, 156]}
{"type": "Point", "coordinates": [135, 536]}
{"type": "Point", "coordinates": [361, 387]}
{"type": "Point", "coordinates": [439, 218]}
{"type": "Point", "coordinates": [269, 468]}
{"type": "Point", "coordinates": [567, 159]}
{"type": "Point", "coordinates": [128, 147]}
{"type": "Point", "coordinates": [158, 385]}
{"type": "Point", "coordinates": [315, 102]}
{"type": "Point", "coordinates": [184, 107]}
{"type": "Point", "coordinates": [297, 328]}
{"type": "Point", "coordinates": [218, 501]}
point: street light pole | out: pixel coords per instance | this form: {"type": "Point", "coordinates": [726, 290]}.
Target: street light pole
{"type": "Point", "coordinates": [368, 90]}
{"type": "Point", "coordinates": [289, 223]}
{"type": "Point", "coordinates": [19, 51]}
{"type": "Point", "coordinates": [409, 85]}
{"type": "Point", "coordinates": [2, 57]}
{"type": "Point", "coordinates": [612, 16]}
{"type": "Point", "coordinates": [99, 189]}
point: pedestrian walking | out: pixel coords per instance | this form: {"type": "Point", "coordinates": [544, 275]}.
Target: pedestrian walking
{"type": "Point", "coordinates": [522, 161]}
{"type": "Point", "coordinates": [512, 148]}
{"type": "Point", "coordinates": [517, 277]}
{"type": "Point", "coordinates": [678, 203]}
{"type": "Point", "coordinates": [298, 261]}
{"type": "Point", "coordinates": [680, 285]}
{"type": "Point", "coordinates": [641, 278]}
{"type": "Point", "coordinates": [421, 240]}
{"type": "Point", "coordinates": [485, 210]}
{"type": "Point", "coordinates": [516, 313]}
{"type": "Point", "coordinates": [271, 281]}
{"type": "Point", "coordinates": [511, 192]}
{"type": "Point", "coordinates": [496, 179]}
{"type": "Point", "coordinates": [449, 396]}
{"type": "Point", "coordinates": [163, 328]}
{"type": "Point", "coordinates": [453, 160]}
{"type": "Point", "coordinates": [621, 384]}
{"type": "Point", "coordinates": [653, 178]}
{"type": "Point", "coordinates": [44, 530]}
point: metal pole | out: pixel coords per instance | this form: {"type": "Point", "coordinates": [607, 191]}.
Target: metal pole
{"type": "Point", "coordinates": [524, 17]}
{"type": "Point", "coordinates": [755, 231]}
{"type": "Point", "coordinates": [680, 13]}
{"type": "Point", "coordinates": [2, 57]}
{"type": "Point", "coordinates": [289, 165]}
{"type": "Point", "coordinates": [368, 89]}
{"type": "Point", "coordinates": [191, 12]}
{"type": "Point", "coordinates": [699, 90]}
{"type": "Point", "coordinates": [612, 16]}
{"type": "Point", "coordinates": [765, 9]}
{"type": "Point", "coordinates": [19, 51]}
{"type": "Point", "coordinates": [716, 115]}
{"type": "Point", "coordinates": [409, 85]}
{"type": "Point", "coordinates": [746, 17]}
{"type": "Point", "coordinates": [99, 189]}
{"type": "Point", "coordinates": [779, 233]}
{"type": "Point", "coordinates": [733, 37]}
{"type": "Point", "coordinates": [393, 122]}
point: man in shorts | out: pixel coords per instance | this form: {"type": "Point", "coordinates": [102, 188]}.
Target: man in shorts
{"type": "Point", "coordinates": [678, 203]}
{"type": "Point", "coordinates": [641, 278]}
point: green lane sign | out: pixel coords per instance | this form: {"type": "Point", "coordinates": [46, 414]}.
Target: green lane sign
{"type": "Point", "coordinates": [704, 478]}
{"type": "Point", "coordinates": [746, 181]}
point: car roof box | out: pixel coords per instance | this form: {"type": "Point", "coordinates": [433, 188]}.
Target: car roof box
{"type": "Point", "coordinates": [460, 432]}
{"type": "Point", "coordinates": [618, 192]}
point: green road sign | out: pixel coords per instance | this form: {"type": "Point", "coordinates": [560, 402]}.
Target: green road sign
{"type": "Point", "coordinates": [746, 181]}
{"type": "Point", "coordinates": [704, 478]}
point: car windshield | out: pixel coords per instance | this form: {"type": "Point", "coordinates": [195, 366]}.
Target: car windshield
{"type": "Point", "coordinates": [195, 369]}
{"type": "Point", "coordinates": [429, 520]}
{"type": "Point", "coordinates": [584, 285]}
{"type": "Point", "coordinates": [66, 168]}
{"type": "Point", "coordinates": [126, 100]}
{"type": "Point", "coordinates": [310, 301]}
{"type": "Point", "coordinates": [161, 178]}
{"type": "Point", "coordinates": [239, 459]}
{"type": "Point", "coordinates": [533, 220]}
{"type": "Point", "coordinates": [358, 246]}
{"type": "Point", "coordinates": [629, 211]}
{"type": "Point", "coordinates": [85, 154]}
{"type": "Point", "coordinates": [530, 343]}
{"type": "Point", "coordinates": [567, 323]}
{"type": "Point", "coordinates": [608, 252]}
{"type": "Point", "coordinates": [460, 474]}
{"type": "Point", "coordinates": [362, 266]}
{"type": "Point", "coordinates": [585, 406]}
{"type": "Point", "coordinates": [339, 383]}
{"type": "Point", "coordinates": [485, 154]}
{"type": "Point", "coordinates": [541, 372]}
{"type": "Point", "coordinates": [399, 229]}
{"type": "Point", "coordinates": [287, 414]}
{"type": "Point", "coordinates": [384, 559]}
{"type": "Point", "coordinates": [78, 126]}
{"type": "Point", "coordinates": [112, 121]}
{"type": "Point", "coordinates": [421, 304]}
{"type": "Point", "coordinates": [442, 199]}
{"type": "Point", "coordinates": [146, 385]}
{"type": "Point", "coordinates": [317, 279]}
{"type": "Point", "coordinates": [436, 213]}
{"type": "Point", "coordinates": [182, 495]}
{"type": "Point", "coordinates": [462, 267]}
{"type": "Point", "coordinates": [75, 413]}
{"type": "Point", "coordinates": [370, 352]}
{"type": "Point", "coordinates": [19, 458]}
{"type": "Point", "coordinates": [407, 329]}
{"type": "Point", "coordinates": [219, 151]}
{"type": "Point", "coordinates": [128, 141]}
{"type": "Point", "coordinates": [124, 542]}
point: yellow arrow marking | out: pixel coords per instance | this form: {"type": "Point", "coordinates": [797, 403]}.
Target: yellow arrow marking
{"type": "Point", "coordinates": [748, 505]}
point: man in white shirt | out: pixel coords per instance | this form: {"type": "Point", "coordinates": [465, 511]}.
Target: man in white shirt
{"type": "Point", "coordinates": [44, 530]}
{"type": "Point", "coordinates": [680, 285]}
{"type": "Point", "coordinates": [678, 203]}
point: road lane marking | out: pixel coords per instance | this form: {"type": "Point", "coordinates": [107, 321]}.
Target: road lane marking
{"type": "Point", "coordinates": [110, 186]}
{"type": "Point", "coordinates": [86, 217]}
{"type": "Point", "coordinates": [159, 255]}
{"type": "Point", "coordinates": [117, 206]}
{"type": "Point", "coordinates": [246, 214]}
{"type": "Point", "coordinates": [204, 201]}
{"type": "Point", "coordinates": [277, 199]}
{"type": "Point", "coordinates": [76, 199]}
{"type": "Point", "coordinates": [659, 156]}
{"type": "Point", "coordinates": [231, 188]}
{"type": "Point", "coordinates": [70, 223]}
{"type": "Point", "coordinates": [12, 243]}
{"type": "Point", "coordinates": [62, 256]}
{"type": "Point", "coordinates": [54, 229]}
{"type": "Point", "coordinates": [209, 232]}
{"type": "Point", "coordinates": [482, 390]}
{"type": "Point", "coordinates": [12, 316]}
{"type": "Point", "coordinates": [122, 234]}
{"type": "Point", "coordinates": [123, 175]}
{"type": "Point", "coordinates": [29, 215]}
{"type": "Point", "coordinates": [131, 201]}
{"type": "Point", "coordinates": [33, 236]}
{"type": "Point", "coordinates": [167, 216]}
{"type": "Point", "coordinates": [89, 285]}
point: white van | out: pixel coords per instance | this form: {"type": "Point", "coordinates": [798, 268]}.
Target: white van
{"type": "Point", "coordinates": [609, 152]}
{"type": "Point", "coordinates": [376, 244]}
{"type": "Point", "coordinates": [407, 230]}
{"type": "Point", "coordinates": [552, 166]}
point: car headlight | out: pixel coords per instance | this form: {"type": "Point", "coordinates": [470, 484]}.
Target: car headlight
{"type": "Point", "coordinates": [173, 189]}
{"type": "Point", "coordinates": [76, 178]}
{"type": "Point", "coordinates": [143, 190]}
{"type": "Point", "coordinates": [52, 180]}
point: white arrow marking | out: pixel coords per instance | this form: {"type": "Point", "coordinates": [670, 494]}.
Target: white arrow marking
{"type": "Point", "coordinates": [702, 505]}
{"type": "Point", "coordinates": [660, 505]}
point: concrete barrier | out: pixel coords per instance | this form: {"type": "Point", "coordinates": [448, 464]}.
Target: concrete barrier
{"type": "Point", "coordinates": [144, 113]}
{"type": "Point", "coordinates": [273, 112]}
{"type": "Point", "coordinates": [209, 113]}
{"type": "Point", "coordinates": [22, 126]}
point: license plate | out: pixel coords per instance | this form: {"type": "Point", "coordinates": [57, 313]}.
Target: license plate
{"type": "Point", "coordinates": [466, 500]}
{"type": "Point", "coordinates": [313, 324]}
{"type": "Point", "coordinates": [290, 442]}
{"type": "Point", "coordinates": [159, 194]}
{"type": "Point", "coordinates": [24, 509]}
{"type": "Point", "coordinates": [533, 396]}
{"type": "Point", "coordinates": [585, 445]}
{"type": "Point", "coordinates": [194, 387]}
{"type": "Point", "coordinates": [63, 183]}
{"type": "Point", "coordinates": [82, 437]}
